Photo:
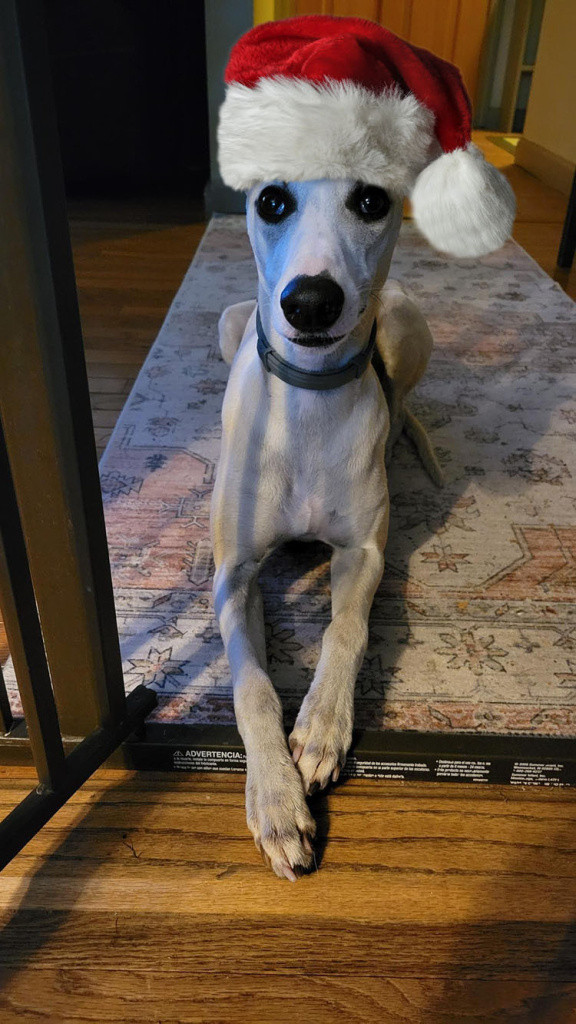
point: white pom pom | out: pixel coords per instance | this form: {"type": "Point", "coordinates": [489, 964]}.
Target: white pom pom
{"type": "Point", "coordinates": [462, 204]}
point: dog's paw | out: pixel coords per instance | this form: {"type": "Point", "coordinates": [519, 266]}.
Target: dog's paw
{"type": "Point", "coordinates": [279, 819]}
{"type": "Point", "coordinates": [319, 743]}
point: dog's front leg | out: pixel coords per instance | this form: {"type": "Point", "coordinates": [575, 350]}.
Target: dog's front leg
{"type": "Point", "coordinates": [276, 808]}
{"type": "Point", "coordinates": [323, 730]}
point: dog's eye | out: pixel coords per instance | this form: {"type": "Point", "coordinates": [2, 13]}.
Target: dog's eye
{"type": "Point", "coordinates": [274, 203]}
{"type": "Point", "coordinates": [369, 202]}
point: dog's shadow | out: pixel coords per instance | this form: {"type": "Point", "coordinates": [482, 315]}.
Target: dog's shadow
{"type": "Point", "coordinates": [319, 808]}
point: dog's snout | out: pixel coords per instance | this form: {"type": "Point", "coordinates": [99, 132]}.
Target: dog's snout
{"type": "Point", "coordinates": [312, 304]}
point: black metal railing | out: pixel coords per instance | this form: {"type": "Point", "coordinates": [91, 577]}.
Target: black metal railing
{"type": "Point", "coordinates": [55, 586]}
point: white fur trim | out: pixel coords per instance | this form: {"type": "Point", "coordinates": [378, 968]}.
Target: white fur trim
{"type": "Point", "coordinates": [463, 205]}
{"type": "Point", "coordinates": [287, 129]}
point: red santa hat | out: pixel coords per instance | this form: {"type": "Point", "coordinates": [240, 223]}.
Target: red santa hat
{"type": "Point", "coordinates": [326, 97]}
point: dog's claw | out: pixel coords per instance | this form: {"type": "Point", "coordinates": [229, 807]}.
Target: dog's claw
{"type": "Point", "coordinates": [317, 774]}
{"type": "Point", "coordinates": [288, 873]}
{"type": "Point", "coordinates": [297, 753]}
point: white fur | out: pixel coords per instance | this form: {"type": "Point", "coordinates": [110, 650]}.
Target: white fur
{"type": "Point", "coordinates": [287, 129]}
{"type": "Point", "coordinates": [463, 205]}
{"type": "Point", "coordinates": [302, 463]}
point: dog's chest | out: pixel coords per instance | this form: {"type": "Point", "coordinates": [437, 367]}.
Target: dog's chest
{"type": "Point", "coordinates": [325, 505]}
{"type": "Point", "coordinates": [317, 465]}
{"type": "Point", "coordinates": [309, 514]}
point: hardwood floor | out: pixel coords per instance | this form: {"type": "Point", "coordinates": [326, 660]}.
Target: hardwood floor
{"type": "Point", "coordinates": [127, 275]}
{"type": "Point", "coordinates": [540, 213]}
{"type": "Point", "coordinates": [144, 899]}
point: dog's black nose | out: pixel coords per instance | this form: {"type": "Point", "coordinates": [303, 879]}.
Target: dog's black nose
{"type": "Point", "coordinates": [312, 304]}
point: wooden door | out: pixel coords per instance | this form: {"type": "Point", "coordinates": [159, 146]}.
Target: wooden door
{"type": "Point", "coordinates": [453, 29]}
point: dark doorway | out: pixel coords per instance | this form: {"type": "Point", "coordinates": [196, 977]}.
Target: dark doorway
{"type": "Point", "coordinates": [130, 88]}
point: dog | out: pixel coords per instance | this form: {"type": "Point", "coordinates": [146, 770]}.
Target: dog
{"type": "Point", "coordinates": [310, 463]}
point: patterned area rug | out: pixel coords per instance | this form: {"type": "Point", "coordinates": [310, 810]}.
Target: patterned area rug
{"type": "Point", "coordinates": [474, 625]}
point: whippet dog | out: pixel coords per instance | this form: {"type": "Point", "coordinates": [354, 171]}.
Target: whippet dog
{"type": "Point", "coordinates": [307, 412]}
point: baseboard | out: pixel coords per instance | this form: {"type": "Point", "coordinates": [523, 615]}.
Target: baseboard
{"type": "Point", "coordinates": [550, 168]}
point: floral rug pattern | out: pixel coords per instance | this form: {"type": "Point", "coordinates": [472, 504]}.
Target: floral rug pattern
{"type": "Point", "coordinates": [474, 625]}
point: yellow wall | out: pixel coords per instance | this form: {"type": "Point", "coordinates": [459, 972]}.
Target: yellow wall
{"type": "Point", "coordinates": [271, 10]}
{"type": "Point", "coordinates": [551, 115]}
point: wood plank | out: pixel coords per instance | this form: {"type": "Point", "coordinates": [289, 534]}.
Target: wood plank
{"type": "Point", "coordinates": [184, 849]}
{"type": "Point", "coordinates": [377, 895]}
{"type": "Point", "coordinates": [107, 403]}
{"type": "Point", "coordinates": [199, 998]}
{"type": "Point", "coordinates": [104, 418]}
{"type": "Point", "coordinates": [104, 363]}
{"type": "Point", "coordinates": [102, 436]}
{"type": "Point", "coordinates": [157, 944]}
{"type": "Point", "coordinates": [114, 385]}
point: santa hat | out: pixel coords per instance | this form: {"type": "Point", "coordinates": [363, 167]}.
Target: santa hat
{"type": "Point", "coordinates": [326, 97]}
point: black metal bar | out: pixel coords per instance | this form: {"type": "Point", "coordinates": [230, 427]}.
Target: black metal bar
{"type": "Point", "coordinates": [22, 824]}
{"type": "Point", "coordinates": [44, 400]}
{"type": "Point", "coordinates": [568, 241]}
{"type": "Point", "coordinates": [6, 719]}
{"type": "Point", "coordinates": [20, 617]}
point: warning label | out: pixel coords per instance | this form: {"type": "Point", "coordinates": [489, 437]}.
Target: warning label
{"type": "Point", "coordinates": [443, 769]}
{"type": "Point", "coordinates": [191, 760]}
{"type": "Point", "coordinates": [357, 769]}
{"type": "Point", "coordinates": [534, 773]}
{"type": "Point", "coordinates": [463, 771]}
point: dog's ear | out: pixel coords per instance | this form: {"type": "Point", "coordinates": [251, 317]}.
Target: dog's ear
{"type": "Point", "coordinates": [404, 339]}
{"type": "Point", "coordinates": [231, 327]}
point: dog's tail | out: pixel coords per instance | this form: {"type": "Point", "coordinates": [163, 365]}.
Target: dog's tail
{"type": "Point", "coordinates": [420, 439]}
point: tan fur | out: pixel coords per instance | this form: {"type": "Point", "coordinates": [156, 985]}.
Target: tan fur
{"type": "Point", "coordinates": [231, 327]}
{"type": "Point", "coordinates": [405, 344]}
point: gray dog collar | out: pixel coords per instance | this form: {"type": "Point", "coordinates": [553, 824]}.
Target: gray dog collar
{"type": "Point", "coordinates": [313, 380]}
